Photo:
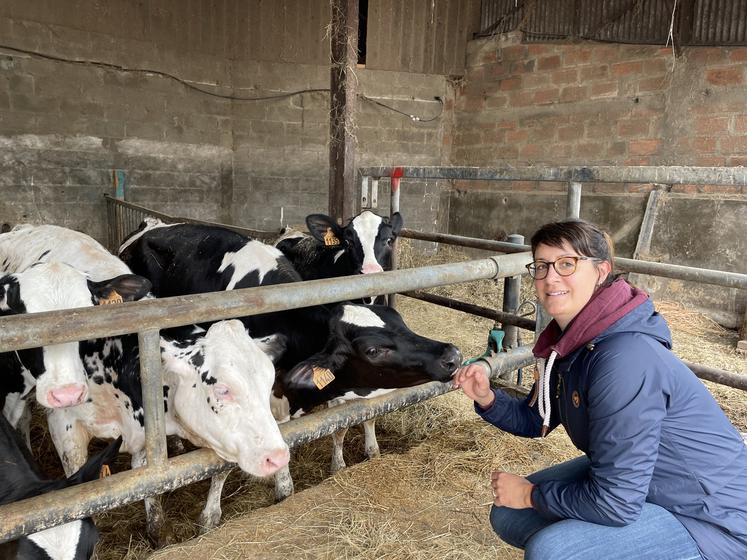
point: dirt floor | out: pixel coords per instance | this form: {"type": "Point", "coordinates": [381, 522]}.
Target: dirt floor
{"type": "Point", "coordinates": [427, 496]}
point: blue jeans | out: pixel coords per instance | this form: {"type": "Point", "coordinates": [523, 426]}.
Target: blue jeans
{"type": "Point", "coordinates": [656, 535]}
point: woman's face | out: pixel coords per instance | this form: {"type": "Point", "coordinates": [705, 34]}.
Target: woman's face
{"type": "Point", "coordinates": [564, 296]}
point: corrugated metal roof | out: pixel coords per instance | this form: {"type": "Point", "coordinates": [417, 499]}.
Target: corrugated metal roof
{"type": "Point", "coordinates": [696, 22]}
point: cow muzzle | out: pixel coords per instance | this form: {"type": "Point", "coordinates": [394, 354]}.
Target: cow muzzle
{"type": "Point", "coordinates": [451, 359]}
{"type": "Point", "coordinates": [67, 395]}
{"type": "Point", "coordinates": [274, 460]}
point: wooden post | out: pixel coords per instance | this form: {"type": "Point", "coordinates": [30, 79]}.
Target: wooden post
{"type": "Point", "coordinates": [344, 49]}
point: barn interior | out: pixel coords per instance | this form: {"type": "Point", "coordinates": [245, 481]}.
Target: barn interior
{"type": "Point", "coordinates": [257, 113]}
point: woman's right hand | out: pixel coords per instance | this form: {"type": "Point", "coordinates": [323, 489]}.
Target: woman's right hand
{"type": "Point", "coordinates": [474, 381]}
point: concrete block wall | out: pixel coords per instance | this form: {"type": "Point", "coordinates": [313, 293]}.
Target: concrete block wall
{"type": "Point", "coordinates": [66, 127]}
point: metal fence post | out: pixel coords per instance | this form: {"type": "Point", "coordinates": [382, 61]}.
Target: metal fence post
{"type": "Point", "coordinates": [511, 296]}
{"type": "Point", "coordinates": [155, 419]}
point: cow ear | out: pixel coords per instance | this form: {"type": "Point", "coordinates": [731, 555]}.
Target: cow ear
{"type": "Point", "coordinates": [10, 300]}
{"type": "Point", "coordinates": [397, 223]}
{"type": "Point", "coordinates": [92, 469]}
{"type": "Point", "coordinates": [127, 287]}
{"type": "Point", "coordinates": [324, 229]}
{"type": "Point", "coordinates": [313, 374]}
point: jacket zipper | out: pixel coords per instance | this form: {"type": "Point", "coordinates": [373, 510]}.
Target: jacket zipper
{"type": "Point", "coordinates": [557, 397]}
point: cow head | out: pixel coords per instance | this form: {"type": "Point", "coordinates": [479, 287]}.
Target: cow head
{"type": "Point", "coordinates": [369, 348]}
{"type": "Point", "coordinates": [71, 541]}
{"type": "Point", "coordinates": [366, 241]}
{"type": "Point", "coordinates": [219, 387]}
{"type": "Point", "coordinates": [58, 369]}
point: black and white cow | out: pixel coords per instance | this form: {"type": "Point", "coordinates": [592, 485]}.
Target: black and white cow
{"type": "Point", "coordinates": [42, 267]}
{"type": "Point", "coordinates": [363, 246]}
{"type": "Point", "coordinates": [186, 258]}
{"type": "Point", "coordinates": [21, 479]}
{"type": "Point", "coordinates": [217, 384]}
{"type": "Point", "coordinates": [370, 351]}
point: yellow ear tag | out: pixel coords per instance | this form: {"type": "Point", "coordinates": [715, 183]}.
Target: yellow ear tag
{"type": "Point", "coordinates": [113, 297]}
{"type": "Point", "coordinates": [329, 238]}
{"type": "Point", "coordinates": [105, 471]}
{"type": "Point", "coordinates": [322, 377]}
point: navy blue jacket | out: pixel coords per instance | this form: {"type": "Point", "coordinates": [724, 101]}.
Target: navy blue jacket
{"type": "Point", "coordinates": [652, 432]}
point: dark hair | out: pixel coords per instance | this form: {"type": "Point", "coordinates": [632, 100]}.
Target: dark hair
{"type": "Point", "coordinates": [584, 237]}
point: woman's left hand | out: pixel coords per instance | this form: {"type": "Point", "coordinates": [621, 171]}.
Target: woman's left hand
{"type": "Point", "coordinates": [510, 490]}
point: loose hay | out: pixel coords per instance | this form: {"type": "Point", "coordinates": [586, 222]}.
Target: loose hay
{"type": "Point", "coordinates": [428, 495]}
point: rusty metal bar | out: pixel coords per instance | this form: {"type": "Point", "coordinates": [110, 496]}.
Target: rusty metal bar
{"type": "Point", "coordinates": [149, 344]}
{"type": "Point", "coordinates": [41, 329]}
{"type": "Point", "coordinates": [35, 514]}
{"type": "Point", "coordinates": [486, 312]}
{"type": "Point", "coordinates": [669, 175]}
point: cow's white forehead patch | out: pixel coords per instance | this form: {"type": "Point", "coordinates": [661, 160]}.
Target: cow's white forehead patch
{"type": "Point", "coordinates": [366, 225]}
{"type": "Point", "coordinates": [361, 316]}
{"type": "Point", "coordinates": [59, 542]}
{"type": "Point", "coordinates": [255, 255]}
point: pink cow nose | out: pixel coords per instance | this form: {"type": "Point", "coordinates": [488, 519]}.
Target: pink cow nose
{"type": "Point", "coordinates": [370, 268]}
{"type": "Point", "coordinates": [274, 461]}
{"type": "Point", "coordinates": [67, 395]}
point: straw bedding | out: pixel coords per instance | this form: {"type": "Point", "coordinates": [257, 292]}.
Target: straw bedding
{"type": "Point", "coordinates": [427, 496]}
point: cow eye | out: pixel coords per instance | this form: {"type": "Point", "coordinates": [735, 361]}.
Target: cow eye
{"type": "Point", "coordinates": [390, 241]}
{"type": "Point", "coordinates": [372, 352]}
{"type": "Point", "coordinates": [222, 392]}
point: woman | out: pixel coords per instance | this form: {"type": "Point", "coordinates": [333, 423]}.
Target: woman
{"type": "Point", "coordinates": [664, 475]}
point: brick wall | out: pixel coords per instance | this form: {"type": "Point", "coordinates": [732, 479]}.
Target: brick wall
{"type": "Point", "coordinates": [599, 104]}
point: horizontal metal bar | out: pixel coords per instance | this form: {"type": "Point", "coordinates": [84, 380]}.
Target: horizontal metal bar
{"type": "Point", "coordinates": [668, 175]}
{"type": "Point", "coordinates": [41, 329]}
{"type": "Point", "coordinates": [486, 312]}
{"type": "Point", "coordinates": [665, 270]}
{"type": "Point", "coordinates": [728, 378]}
{"type": "Point", "coordinates": [679, 272]}
{"type": "Point", "coordinates": [48, 510]}
{"type": "Point", "coordinates": [472, 242]}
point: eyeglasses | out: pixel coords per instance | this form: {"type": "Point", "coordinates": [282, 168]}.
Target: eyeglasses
{"type": "Point", "coordinates": [564, 266]}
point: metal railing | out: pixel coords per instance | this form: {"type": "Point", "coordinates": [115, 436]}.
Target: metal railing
{"type": "Point", "coordinates": [125, 217]}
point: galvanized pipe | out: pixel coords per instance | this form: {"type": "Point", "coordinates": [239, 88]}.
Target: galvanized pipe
{"type": "Point", "coordinates": [149, 344]}
{"type": "Point", "coordinates": [471, 242]}
{"type": "Point", "coordinates": [35, 514]}
{"type": "Point", "coordinates": [41, 329]}
{"type": "Point", "coordinates": [665, 270]}
{"type": "Point", "coordinates": [668, 175]}
{"type": "Point", "coordinates": [511, 296]}
{"type": "Point", "coordinates": [486, 312]}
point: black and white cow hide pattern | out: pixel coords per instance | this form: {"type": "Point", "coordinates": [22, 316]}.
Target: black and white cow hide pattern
{"type": "Point", "coordinates": [21, 479]}
{"type": "Point", "coordinates": [363, 246]}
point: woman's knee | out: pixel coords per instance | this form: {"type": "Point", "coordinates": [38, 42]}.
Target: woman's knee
{"type": "Point", "coordinates": [515, 526]}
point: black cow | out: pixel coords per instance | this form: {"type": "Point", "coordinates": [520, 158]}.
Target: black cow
{"type": "Point", "coordinates": [21, 479]}
{"type": "Point", "coordinates": [364, 349]}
